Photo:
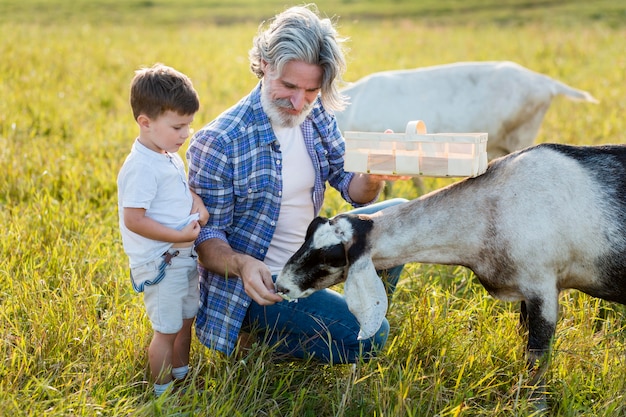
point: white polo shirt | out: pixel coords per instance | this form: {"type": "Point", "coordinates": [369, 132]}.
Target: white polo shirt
{"type": "Point", "coordinates": [158, 183]}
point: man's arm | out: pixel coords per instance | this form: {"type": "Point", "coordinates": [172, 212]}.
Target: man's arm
{"type": "Point", "coordinates": [365, 187]}
{"type": "Point", "coordinates": [217, 256]}
{"type": "Point", "coordinates": [199, 207]}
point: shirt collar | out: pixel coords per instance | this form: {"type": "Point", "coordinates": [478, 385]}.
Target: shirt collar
{"type": "Point", "coordinates": [149, 153]}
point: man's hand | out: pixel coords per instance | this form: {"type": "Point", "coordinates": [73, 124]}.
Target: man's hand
{"type": "Point", "coordinates": [365, 187]}
{"type": "Point", "coordinates": [257, 281]}
{"type": "Point", "coordinates": [217, 256]}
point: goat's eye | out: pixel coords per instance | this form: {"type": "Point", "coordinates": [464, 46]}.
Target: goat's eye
{"type": "Point", "coordinates": [334, 256]}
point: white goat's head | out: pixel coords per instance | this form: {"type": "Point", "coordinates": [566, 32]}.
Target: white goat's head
{"type": "Point", "coordinates": [337, 250]}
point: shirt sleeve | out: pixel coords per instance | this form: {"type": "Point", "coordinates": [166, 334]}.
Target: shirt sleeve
{"type": "Point", "coordinates": [336, 148]}
{"type": "Point", "coordinates": [139, 187]}
{"type": "Point", "coordinates": [210, 176]}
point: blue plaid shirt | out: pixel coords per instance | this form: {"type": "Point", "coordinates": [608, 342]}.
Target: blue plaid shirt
{"type": "Point", "coordinates": [235, 166]}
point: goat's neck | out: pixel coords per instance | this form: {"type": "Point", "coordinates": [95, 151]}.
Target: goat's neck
{"type": "Point", "coordinates": [421, 231]}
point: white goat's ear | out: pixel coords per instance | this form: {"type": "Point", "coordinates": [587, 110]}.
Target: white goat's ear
{"type": "Point", "coordinates": [366, 296]}
{"type": "Point", "coordinates": [342, 228]}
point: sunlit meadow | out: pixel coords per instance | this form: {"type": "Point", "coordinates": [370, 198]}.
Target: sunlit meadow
{"type": "Point", "coordinates": [74, 335]}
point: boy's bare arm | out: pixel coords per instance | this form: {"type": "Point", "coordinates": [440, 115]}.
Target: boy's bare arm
{"type": "Point", "coordinates": [135, 220]}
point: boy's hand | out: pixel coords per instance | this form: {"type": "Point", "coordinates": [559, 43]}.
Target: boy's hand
{"type": "Point", "coordinates": [191, 231]}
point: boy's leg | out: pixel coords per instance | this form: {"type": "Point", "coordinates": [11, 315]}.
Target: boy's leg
{"type": "Point", "coordinates": [182, 345]}
{"type": "Point", "coordinates": [160, 357]}
{"type": "Point", "coordinates": [171, 306]}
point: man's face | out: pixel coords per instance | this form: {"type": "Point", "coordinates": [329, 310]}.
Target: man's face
{"type": "Point", "coordinates": [288, 98]}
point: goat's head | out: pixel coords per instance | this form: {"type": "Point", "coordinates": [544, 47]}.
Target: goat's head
{"type": "Point", "coordinates": [337, 250]}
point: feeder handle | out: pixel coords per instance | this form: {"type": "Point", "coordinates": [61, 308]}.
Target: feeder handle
{"type": "Point", "coordinates": [416, 126]}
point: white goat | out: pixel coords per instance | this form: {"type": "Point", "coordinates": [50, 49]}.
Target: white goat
{"type": "Point", "coordinates": [503, 99]}
{"type": "Point", "coordinates": [538, 221]}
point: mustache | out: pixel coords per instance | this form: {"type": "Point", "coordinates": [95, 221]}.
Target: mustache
{"type": "Point", "coordinates": [285, 103]}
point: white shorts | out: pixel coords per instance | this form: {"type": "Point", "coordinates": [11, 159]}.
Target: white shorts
{"type": "Point", "coordinates": [176, 296]}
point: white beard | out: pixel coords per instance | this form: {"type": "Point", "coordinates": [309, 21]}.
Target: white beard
{"type": "Point", "coordinates": [274, 110]}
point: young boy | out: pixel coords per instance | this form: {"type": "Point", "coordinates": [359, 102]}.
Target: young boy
{"type": "Point", "coordinates": [160, 217]}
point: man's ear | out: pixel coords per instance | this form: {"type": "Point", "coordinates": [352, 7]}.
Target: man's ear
{"type": "Point", "coordinates": [266, 67]}
{"type": "Point", "coordinates": [366, 296]}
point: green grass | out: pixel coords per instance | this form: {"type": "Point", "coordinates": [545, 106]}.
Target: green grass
{"type": "Point", "coordinates": [74, 335]}
{"type": "Point", "coordinates": [221, 12]}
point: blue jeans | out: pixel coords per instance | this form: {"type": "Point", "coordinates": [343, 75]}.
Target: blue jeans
{"type": "Point", "coordinates": [321, 326]}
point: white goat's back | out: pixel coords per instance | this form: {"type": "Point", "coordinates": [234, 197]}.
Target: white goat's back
{"type": "Point", "coordinates": [503, 99]}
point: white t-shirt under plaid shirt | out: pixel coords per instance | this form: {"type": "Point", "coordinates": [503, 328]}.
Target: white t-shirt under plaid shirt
{"type": "Point", "coordinates": [235, 166]}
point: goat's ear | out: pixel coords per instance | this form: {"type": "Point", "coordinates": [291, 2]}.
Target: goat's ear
{"type": "Point", "coordinates": [343, 227]}
{"type": "Point", "coordinates": [314, 225]}
{"type": "Point", "coordinates": [366, 296]}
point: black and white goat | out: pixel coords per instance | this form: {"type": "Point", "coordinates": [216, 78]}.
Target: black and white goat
{"type": "Point", "coordinates": [538, 221]}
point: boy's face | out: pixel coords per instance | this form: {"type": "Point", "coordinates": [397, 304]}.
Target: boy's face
{"type": "Point", "coordinates": [166, 133]}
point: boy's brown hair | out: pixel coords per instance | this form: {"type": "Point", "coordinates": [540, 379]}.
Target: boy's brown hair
{"type": "Point", "coordinates": [159, 88]}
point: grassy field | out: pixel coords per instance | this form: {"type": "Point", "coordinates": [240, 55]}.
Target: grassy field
{"type": "Point", "coordinates": [73, 333]}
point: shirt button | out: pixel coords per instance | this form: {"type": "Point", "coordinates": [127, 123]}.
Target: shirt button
{"type": "Point", "coordinates": [280, 193]}
{"type": "Point", "coordinates": [278, 162]}
{"type": "Point", "coordinates": [273, 223]}
{"type": "Point", "coordinates": [249, 190]}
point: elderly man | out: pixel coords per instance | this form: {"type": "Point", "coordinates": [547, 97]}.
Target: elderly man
{"type": "Point", "coordinates": [261, 169]}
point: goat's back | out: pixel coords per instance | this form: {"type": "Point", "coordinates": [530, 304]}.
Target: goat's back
{"type": "Point", "coordinates": [459, 97]}
{"type": "Point", "coordinates": [557, 209]}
